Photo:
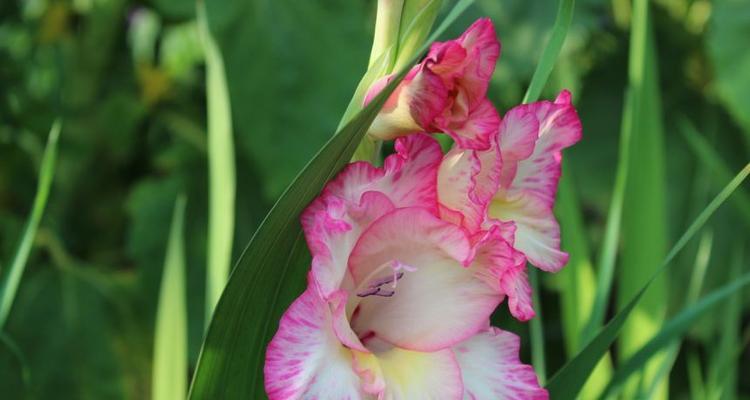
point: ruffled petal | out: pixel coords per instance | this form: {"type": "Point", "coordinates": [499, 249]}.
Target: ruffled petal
{"type": "Point", "coordinates": [491, 369]}
{"type": "Point", "coordinates": [559, 127]}
{"type": "Point", "coordinates": [537, 230]}
{"type": "Point", "coordinates": [433, 303]}
{"type": "Point", "coordinates": [362, 193]}
{"type": "Point", "coordinates": [530, 174]}
{"type": "Point", "coordinates": [472, 130]}
{"type": "Point", "coordinates": [467, 180]}
{"type": "Point", "coordinates": [483, 50]}
{"type": "Point", "coordinates": [420, 97]}
{"type": "Point", "coordinates": [304, 358]}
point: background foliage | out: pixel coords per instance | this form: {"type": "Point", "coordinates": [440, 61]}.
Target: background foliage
{"type": "Point", "coordinates": [127, 79]}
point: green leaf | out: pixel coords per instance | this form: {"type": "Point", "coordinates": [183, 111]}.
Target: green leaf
{"type": "Point", "coordinates": [672, 330]}
{"type": "Point", "coordinates": [644, 204]}
{"type": "Point", "coordinates": [551, 51]}
{"type": "Point", "coordinates": [711, 159]}
{"type": "Point", "coordinates": [730, 58]}
{"type": "Point", "coordinates": [12, 279]}
{"type": "Point", "coordinates": [271, 270]}
{"type": "Point", "coordinates": [169, 374]}
{"type": "Point", "coordinates": [567, 382]}
{"type": "Point", "coordinates": [221, 169]}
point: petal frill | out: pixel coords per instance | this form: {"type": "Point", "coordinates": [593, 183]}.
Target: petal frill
{"type": "Point", "coordinates": [467, 180]}
{"type": "Point", "coordinates": [362, 193]}
{"type": "Point", "coordinates": [472, 130]}
{"type": "Point", "coordinates": [438, 301]}
{"type": "Point", "coordinates": [305, 359]}
{"type": "Point", "coordinates": [530, 174]}
{"type": "Point", "coordinates": [491, 369]}
{"type": "Point", "coordinates": [417, 100]}
{"type": "Point", "coordinates": [537, 230]}
{"type": "Point", "coordinates": [559, 127]}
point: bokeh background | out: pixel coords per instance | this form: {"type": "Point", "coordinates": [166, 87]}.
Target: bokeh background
{"type": "Point", "coordinates": [127, 78]}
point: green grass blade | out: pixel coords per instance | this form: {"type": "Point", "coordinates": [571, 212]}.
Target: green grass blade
{"type": "Point", "coordinates": [20, 357]}
{"type": "Point", "coordinates": [537, 330]}
{"type": "Point", "coordinates": [221, 169]}
{"type": "Point", "coordinates": [551, 51]}
{"type": "Point", "coordinates": [711, 159]}
{"type": "Point", "coordinates": [672, 330]}
{"type": "Point", "coordinates": [567, 382]}
{"type": "Point", "coordinates": [12, 278]}
{"type": "Point", "coordinates": [644, 220]}
{"type": "Point", "coordinates": [608, 252]}
{"type": "Point", "coordinates": [271, 270]}
{"type": "Point", "coordinates": [170, 369]}
{"type": "Point", "coordinates": [702, 258]}
{"type": "Point", "coordinates": [577, 282]}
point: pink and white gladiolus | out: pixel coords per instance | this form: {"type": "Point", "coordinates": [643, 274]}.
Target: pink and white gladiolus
{"type": "Point", "coordinates": [399, 299]}
{"type": "Point", "coordinates": [410, 260]}
{"type": "Point", "coordinates": [446, 92]}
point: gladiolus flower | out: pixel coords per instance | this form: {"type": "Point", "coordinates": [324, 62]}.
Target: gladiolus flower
{"type": "Point", "coordinates": [446, 92]}
{"type": "Point", "coordinates": [514, 182]}
{"type": "Point", "coordinates": [401, 289]}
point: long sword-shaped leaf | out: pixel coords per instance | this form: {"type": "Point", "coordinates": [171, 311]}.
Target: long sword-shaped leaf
{"type": "Point", "coordinates": [271, 270]}
{"type": "Point", "coordinates": [12, 278]}
{"type": "Point", "coordinates": [221, 170]}
{"type": "Point", "coordinates": [644, 205]}
{"type": "Point", "coordinates": [567, 382]}
{"type": "Point", "coordinates": [672, 330]}
{"type": "Point", "coordinates": [169, 374]}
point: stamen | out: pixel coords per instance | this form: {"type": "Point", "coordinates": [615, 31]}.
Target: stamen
{"type": "Point", "coordinates": [376, 287]}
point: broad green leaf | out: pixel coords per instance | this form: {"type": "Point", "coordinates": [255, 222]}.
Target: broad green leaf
{"type": "Point", "coordinates": [567, 382]}
{"type": "Point", "coordinates": [271, 270]}
{"type": "Point", "coordinates": [12, 278]}
{"type": "Point", "coordinates": [221, 169]}
{"type": "Point", "coordinates": [672, 330]}
{"type": "Point", "coordinates": [644, 239]}
{"type": "Point", "coordinates": [170, 366]}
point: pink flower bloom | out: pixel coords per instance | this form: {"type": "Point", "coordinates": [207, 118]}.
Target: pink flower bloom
{"type": "Point", "coordinates": [400, 291]}
{"type": "Point", "coordinates": [512, 185]}
{"type": "Point", "coordinates": [446, 92]}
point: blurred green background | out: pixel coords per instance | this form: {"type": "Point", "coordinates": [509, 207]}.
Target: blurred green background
{"type": "Point", "coordinates": [127, 80]}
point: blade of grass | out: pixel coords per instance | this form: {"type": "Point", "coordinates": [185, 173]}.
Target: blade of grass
{"type": "Point", "coordinates": [711, 159]}
{"type": "Point", "coordinates": [695, 377]}
{"type": "Point", "coordinates": [671, 330]}
{"type": "Point", "coordinates": [578, 282]}
{"type": "Point", "coordinates": [17, 353]}
{"type": "Point", "coordinates": [221, 169]}
{"type": "Point", "coordinates": [538, 81]}
{"type": "Point", "coordinates": [551, 50]}
{"type": "Point", "coordinates": [644, 219]}
{"type": "Point", "coordinates": [537, 331]}
{"type": "Point", "coordinates": [722, 377]}
{"type": "Point", "coordinates": [13, 277]}
{"type": "Point", "coordinates": [567, 382]}
{"type": "Point", "coordinates": [271, 269]}
{"type": "Point", "coordinates": [608, 252]}
{"type": "Point", "coordinates": [169, 374]}
{"type": "Point", "coordinates": [700, 266]}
